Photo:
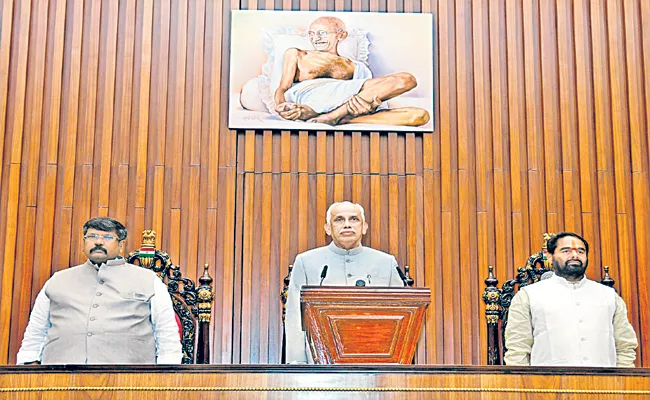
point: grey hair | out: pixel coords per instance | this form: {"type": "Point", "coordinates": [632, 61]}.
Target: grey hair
{"type": "Point", "coordinates": [328, 217]}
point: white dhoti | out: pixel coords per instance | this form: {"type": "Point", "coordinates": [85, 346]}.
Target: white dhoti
{"type": "Point", "coordinates": [325, 94]}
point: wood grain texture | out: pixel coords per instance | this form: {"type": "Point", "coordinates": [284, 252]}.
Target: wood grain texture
{"type": "Point", "coordinates": [120, 108]}
{"type": "Point", "coordinates": [315, 382]}
{"type": "Point", "coordinates": [348, 325]}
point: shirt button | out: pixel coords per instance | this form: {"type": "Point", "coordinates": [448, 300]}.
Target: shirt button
{"type": "Point", "coordinates": [95, 305]}
{"type": "Point", "coordinates": [577, 303]}
{"type": "Point", "coordinates": [580, 320]}
{"type": "Point", "coordinates": [582, 339]}
{"type": "Point", "coordinates": [92, 318]}
{"type": "Point", "coordinates": [99, 293]}
{"type": "Point", "coordinates": [349, 275]}
{"type": "Point", "coordinates": [348, 260]}
{"type": "Point", "coordinates": [90, 334]}
{"type": "Point", "coordinates": [585, 359]}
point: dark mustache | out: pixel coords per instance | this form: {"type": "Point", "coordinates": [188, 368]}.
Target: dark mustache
{"type": "Point", "coordinates": [575, 261]}
{"type": "Point", "coordinates": [99, 247]}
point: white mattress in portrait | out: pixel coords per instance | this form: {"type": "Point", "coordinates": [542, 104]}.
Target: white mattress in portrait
{"type": "Point", "coordinates": [240, 118]}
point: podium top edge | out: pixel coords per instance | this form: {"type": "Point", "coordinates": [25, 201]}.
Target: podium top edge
{"type": "Point", "coordinates": [367, 288]}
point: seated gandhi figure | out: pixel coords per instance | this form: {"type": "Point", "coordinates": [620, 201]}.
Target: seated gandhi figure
{"type": "Point", "coordinates": [348, 264]}
{"type": "Point", "coordinates": [321, 86]}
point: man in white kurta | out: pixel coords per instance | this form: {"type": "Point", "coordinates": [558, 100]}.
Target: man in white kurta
{"type": "Point", "coordinates": [569, 320]}
{"type": "Point", "coordinates": [348, 264]}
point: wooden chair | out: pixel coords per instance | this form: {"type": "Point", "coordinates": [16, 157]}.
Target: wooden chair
{"type": "Point", "coordinates": [497, 300]}
{"type": "Point", "coordinates": [406, 277]}
{"type": "Point", "coordinates": [191, 303]}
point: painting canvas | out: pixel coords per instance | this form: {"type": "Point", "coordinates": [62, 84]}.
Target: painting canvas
{"type": "Point", "coordinates": [304, 70]}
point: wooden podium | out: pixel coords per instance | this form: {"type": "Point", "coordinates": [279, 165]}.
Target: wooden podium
{"type": "Point", "coordinates": [363, 325]}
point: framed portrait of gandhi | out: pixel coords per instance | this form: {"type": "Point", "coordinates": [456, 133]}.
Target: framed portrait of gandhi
{"type": "Point", "coordinates": [305, 70]}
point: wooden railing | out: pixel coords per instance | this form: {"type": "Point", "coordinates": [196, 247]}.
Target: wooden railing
{"type": "Point", "coordinates": [332, 381]}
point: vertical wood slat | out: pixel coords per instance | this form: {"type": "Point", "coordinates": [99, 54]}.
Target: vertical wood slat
{"type": "Point", "coordinates": [209, 163]}
{"type": "Point", "coordinates": [502, 201]}
{"type": "Point", "coordinates": [104, 117]}
{"type": "Point", "coordinates": [449, 181]}
{"type": "Point", "coordinates": [48, 162]}
{"type": "Point", "coordinates": [586, 124]}
{"type": "Point", "coordinates": [638, 126]}
{"type": "Point", "coordinates": [603, 138]}
{"type": "Point", "coordinates": [31, 149]}
{"type": "Point", "coordinates": [87, 126]}
{"type": "Point", "coordinates": [176, 108]}
{"type": "Point", "coordinates": [12, 159]}
{"type": "Point", "coordinates": [139, 123]}
{"type": "Point", "coordinates": [432, 218]}
{"type": "Point", "coordinates": [642, 179]}
{"type": "Point", "coordinates": [6, 26]}
{"type": "Point", "coordinates": [157, 116]}
{"type": "Point", "coordinates": [622, 157]}
{"type": "Point", "coordinates": [126, 90]}
{"type": "Point", "coordinates": [68, 140]}
{"type": "Point", "coordinates": [517, 126]}
{"type": "Point", "coordinates": [571, 204]}
{"type": "Point", "coordinates": [467, 200]}
{"type": "Point", "coordinates": [534, 119]}
{"type": "Point", "coordinates": [484, 174]}
{"type": "Point", "coordinates": [191, 188]}
{"type": "Point", "coordinates": [536, 130]}
{"type": "Point", "coordinates": [549, 147]}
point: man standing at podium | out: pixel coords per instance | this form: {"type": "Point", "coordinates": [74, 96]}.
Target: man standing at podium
{"type": "Point", "coordinates": [103, 311]}
{"type": "Point", "coordinates": [344, 262]}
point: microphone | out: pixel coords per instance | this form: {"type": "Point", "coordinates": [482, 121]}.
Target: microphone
{"type": "Point", "coordinates": [323, 274]}
{"type": "Point", "coordinates": [401, 274]}
{"type": "Point", "coordinates": [360, 282]}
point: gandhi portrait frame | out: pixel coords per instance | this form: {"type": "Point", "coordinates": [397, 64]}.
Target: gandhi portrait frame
{"type": "Point", "coordinates": [259, 39]}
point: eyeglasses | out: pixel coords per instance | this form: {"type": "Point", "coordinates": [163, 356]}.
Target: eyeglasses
{"type": "Point", "coordinates": [318, 33]}
{"type": "Point", "coordinates": [104, 238]}
{"type": "Point", "coordinates": [352, 220]}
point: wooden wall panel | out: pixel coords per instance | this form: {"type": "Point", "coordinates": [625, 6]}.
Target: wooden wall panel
{"type": "Point", "coordinates": [120, 108]}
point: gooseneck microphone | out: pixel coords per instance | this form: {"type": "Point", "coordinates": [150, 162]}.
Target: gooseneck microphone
{"type": "Point", "coordinates": [323, 274]}
{"type": "Point", "coordinates": [401, 275]}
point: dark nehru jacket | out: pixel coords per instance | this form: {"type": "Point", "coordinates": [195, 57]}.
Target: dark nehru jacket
{"type": "Point", "coordinates": [345, 268]}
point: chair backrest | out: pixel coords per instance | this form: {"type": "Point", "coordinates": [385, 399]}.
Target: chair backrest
{"type": "Point", "coordinates": [406, 277]}
{"type": "Point", "coordinates": [191, 303]}
{"type": "Point", "coordinates": [497, 300]}
{"type": "Point", "coordinates": [283, 297]}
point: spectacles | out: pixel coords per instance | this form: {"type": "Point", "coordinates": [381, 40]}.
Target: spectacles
{"type": "Point", "coordinates": [318, 33]}
{"type": "Point", "coordinates": [104, 238]}
{"type": "Point", "coordinates": [352, 220]}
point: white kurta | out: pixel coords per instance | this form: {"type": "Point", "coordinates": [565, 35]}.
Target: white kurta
{"type": "Point", "coordinates": [572, 323]}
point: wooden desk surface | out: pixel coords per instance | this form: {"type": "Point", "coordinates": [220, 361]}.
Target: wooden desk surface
{"type": "Point", "coordinates": [322, 382]}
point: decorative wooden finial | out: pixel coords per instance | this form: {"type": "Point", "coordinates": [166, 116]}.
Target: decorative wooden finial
{"type": "Point", "coordinates": [205, 296]}
{"type": "Point", "coordinates": [607, 280]}
{"type": "Point", "coordinates": [285, 293]}
{"type": "Point", "coordinates": [491, 281]}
